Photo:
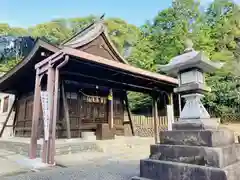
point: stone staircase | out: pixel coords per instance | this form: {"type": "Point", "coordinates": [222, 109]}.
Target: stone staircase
{"type": "Point", "coordinates": [192, 155]}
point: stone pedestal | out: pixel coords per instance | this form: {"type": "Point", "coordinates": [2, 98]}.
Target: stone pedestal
{"type": "Point", "coordinates": [192, 151]}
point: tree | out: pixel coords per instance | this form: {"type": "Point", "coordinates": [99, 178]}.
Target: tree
{"type": "Point", "coordinates": [161, 40]}
{"type": "Point", "coordinates": [9, 64]}
{"type": "Point", "coordinates": [121, 33]}
{"type": "Point", "coordinates": [55, 31]}
{"type": "Point", "coordinates": [76, 24]}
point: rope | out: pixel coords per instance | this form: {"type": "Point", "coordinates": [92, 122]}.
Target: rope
{"type": "Point", "coordinates": [91, 96]}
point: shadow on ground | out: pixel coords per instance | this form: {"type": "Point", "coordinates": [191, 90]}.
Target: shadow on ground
{"type": "Point", "coordinates": [100, 170]}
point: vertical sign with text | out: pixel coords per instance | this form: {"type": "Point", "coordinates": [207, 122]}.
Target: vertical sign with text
{"type": "Point", "coordinates": [46, 113]}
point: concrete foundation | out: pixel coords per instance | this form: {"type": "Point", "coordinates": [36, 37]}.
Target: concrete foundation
{"type": "Point", "coordinates": [199, 154]}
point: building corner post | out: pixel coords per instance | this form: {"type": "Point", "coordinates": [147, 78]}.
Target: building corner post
{"type": "Point", "coordinates": [35, 117]}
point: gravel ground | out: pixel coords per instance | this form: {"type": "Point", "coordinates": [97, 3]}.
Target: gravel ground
{"type": "Point", "coordinates": [114, 164]}
{"type": "Point", "coordinates": [104, 170]}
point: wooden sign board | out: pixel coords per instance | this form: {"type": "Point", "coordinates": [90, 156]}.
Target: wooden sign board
{"type": "Point", "coordinates": [46, 113]}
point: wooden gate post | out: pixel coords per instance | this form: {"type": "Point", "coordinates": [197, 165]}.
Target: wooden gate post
{"type": "Point", "coordinates": [35, 117]}
{"type": "Point", "coordinates": [50, 89]}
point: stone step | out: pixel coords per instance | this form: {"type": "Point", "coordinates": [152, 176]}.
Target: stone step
{"type": "Point", "coordinates": [68, 148]}
{"type": "Point", "coordinates": [233, 171]}
{"type": "Point", "coordinates": [210, 138]}
{"type": "Point", "coordinates": [166, 170]}
{"type": "Point", "coordinates": [206, 156]}
{"type": "Point", "coordinates": [139, 178]}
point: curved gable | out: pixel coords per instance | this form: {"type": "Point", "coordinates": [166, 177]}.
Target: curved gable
{"type": "Point", "coordinates": [94, 40]}
{"type": "Point", "coordinates": [27, 64]}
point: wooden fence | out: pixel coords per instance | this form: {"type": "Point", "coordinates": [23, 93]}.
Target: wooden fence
{"type": "Point", "coordinates": [144, 125]}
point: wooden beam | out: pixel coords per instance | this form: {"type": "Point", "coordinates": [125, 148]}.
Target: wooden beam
{"type": "Point", "coordinates": [46, 61]}
{"type": "Point", "coordinates": [110, 109]}
{"type": "Point", "coordinates": [155, 118]}
{"type": "Point", "coordinates": [139, 73]}
{"type": "Point", "coordinates": [35, 117]}
{"type": "Point", "coordinates": [109, 81]}
{"type": "Point", "coordinates": [66, 111]}
{"type": "Point", "coordinates": [44, 68]}
{"type": "Point", "coordinates": [129, 113]}
{"type": "Point", "coordinates": [8, 117]}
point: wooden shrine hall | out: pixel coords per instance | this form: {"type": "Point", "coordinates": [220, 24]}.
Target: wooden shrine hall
{"type": "Point", "coordinates": [83, 83]}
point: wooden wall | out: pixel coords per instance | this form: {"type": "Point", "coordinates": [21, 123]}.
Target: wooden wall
{"type": "Point", "coordinates": [84, 113]}
{"type": "Point", "coordinates": [24, 111]}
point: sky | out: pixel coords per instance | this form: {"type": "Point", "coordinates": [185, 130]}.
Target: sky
{"type": "Point", "coordinates": [26, 13]}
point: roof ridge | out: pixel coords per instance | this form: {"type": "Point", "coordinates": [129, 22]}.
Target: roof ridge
{"type": "Point", "coordinates": [95, 21]}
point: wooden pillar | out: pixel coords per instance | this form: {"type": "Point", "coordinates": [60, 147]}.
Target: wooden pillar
{"type": "Point", "coordinates": [55, 91]}
{"type": "Point", "coordinates": [179, 104]}
{"type": "Point", "coordinates": [35, 117]}
{"type": "Point", "coordinates": [66, 111]}
{"type": "Point", "coordinates": [179, 96]}
{"type": "Point", "coordinates": [171, 101]}
{"type": "Point", "coordinates": [155, 118]}
{"type": "Point", "coordinates": [110, 109]}
{"type": "Point", "coordinates": [170, 111]}
{"type": "Point", "coordinates": [129, 113]}
{"type": "Point", "coordinates": [50, 89]}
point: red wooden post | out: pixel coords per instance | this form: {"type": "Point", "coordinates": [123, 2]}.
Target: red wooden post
{"type": "Point", "coordinates": [54, 91]}
{"type": "Point", "coordinates": [35, 117]}
{"type": "Point", "coordinates": [50, 89]}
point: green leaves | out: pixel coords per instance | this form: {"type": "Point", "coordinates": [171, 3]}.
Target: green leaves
{"type": "Point", "coordinates": [9, 64]}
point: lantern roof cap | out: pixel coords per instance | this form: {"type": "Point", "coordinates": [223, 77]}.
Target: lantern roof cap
{"type": "Point", "coordinates": [188, 60]}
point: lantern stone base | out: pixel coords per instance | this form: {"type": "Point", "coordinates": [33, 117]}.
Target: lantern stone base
{"type": "Point", "coordinates": [200, 154]}
{"type": "Point", "coordinates": [193, 108]}
{"type": "Point", "coordinates": [196, 124]}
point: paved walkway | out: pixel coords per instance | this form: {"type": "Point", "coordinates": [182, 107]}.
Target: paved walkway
{"type": "Point", "coordinates": [116, 163]}
{"type": "Point", "coordinates": [9, 164]}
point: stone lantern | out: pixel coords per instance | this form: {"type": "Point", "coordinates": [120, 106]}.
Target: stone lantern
{"type": "Point", "coordinates": [190, 67]}
{"type": "Point", "coordinates": [195, 148]}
